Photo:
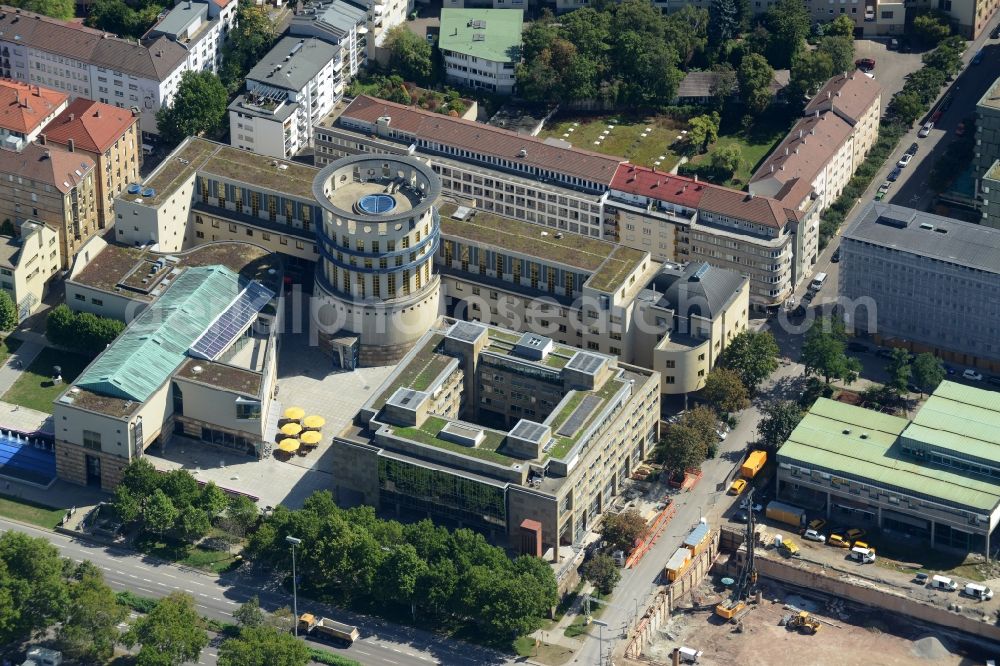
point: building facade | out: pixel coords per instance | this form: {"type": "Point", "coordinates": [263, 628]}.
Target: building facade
{"type": "Point", "coordinates": [987, 149]}
{"type": "Point", "coordinates": [924, 282]}
{"type": "Point", "coordinates": [27, 262]}
{"type": "Point", "coordinates": [291, 89]}
{"type": "Point", "coordinates": [500, 431]}
{"type": "Point", "coordinates": [481, 47]}
{"type": "Point", "coordinates": [933, 478]}
{"type": "Point", "coordinates": [25, 109]}
{"type": "Point", "coordinates": [108, 135]}
{"type": "Point", "coordinates": [346, 24]}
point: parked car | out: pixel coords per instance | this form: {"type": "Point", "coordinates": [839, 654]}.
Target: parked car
{"type": "Point", "coordinates": [865, 64]}
{"type": "Point", "coordinates": [813, 535]}
{"type": "Point", "coordinates": [894, 174]}
{"type": "Point", "coordinates": [835, 258]}
{"type": "Point", "coordinates": [883, 190]}
{"type": "Point", "coordinates": [972, 375]}
{"type": "Point", "coordinates": [817, 524]}
{"type": "Point", "coordinates": [949, 369]}
{"type": "Point", "coordinates": [857, 347]}
{"type": "Point", "coordinates": [912, 150]}
{"type": "Point", "coordinates": [960, 130]}
{"type": "Point", "coordinates": [854, 534]}
{"type": "Point", "coordinates": [926, 130]}
{"type": "Point", "coordinates": [838, 541]}
{"type": "Point", "coordinates": [738, 486]}
{"type": "Point", "coordinates": [904, 161]}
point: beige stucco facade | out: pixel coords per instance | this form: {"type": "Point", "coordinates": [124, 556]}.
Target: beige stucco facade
{"type": "Point", "coordinates": [27, 262]}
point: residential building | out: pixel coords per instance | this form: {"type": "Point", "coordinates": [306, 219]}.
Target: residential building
{"type": "Point", "coordinates": [52, 186]}
{"type": "Point", "coordinates": [510, 434]}
{"type": "Point", "coordinates": [989, 189]}
{"type": "Point", "coordinates": [83, 62]}
{"type": "Point", "coordinates": [109, 135]}
{"type": "Point", "coordinates": [200, 27]}
{"type": "Point", "coordinates": [933, 478]}
{"type": "Point", "coordinates": [987, 149]}
{"type": "Point", "coordinates": [198, 363]}
{"type": "Point", "coordinates": [820, 154]}
{"type": "Point", "coordinates": [682, 219]}
{"type": "Point", "coordinates": [481, 47]}
{"type": "Point", "coordinates": [27, 261]}
{"type": "Point", "coordinates": [25, 109]}
{"type": "Point", "coordinates": [288, 91]}
{"type": "Point", "coordinates": [924, 282]}
{"type": "Point", "coordinates": [971, 17]}
{"type": "Point", "coordinates": [338, 23]}
{"type": "Point", "coordinates": [485, 4]}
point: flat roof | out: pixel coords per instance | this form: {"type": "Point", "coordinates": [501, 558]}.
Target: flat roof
{"type": "Point", "coordinates": [490, 34]}
{"type": "Point", "coordinates": [961, 418]}
{"type": "Point", "coordinates": [864, 444]}
{"type": "Point", "coordinates": [991, 98]}
{"type": "Point", "coordinates": [928, 235]}
{"type": "Point", "coordinates": [293, 63]}
{"type": "Point", "coordinates": [221, 375]}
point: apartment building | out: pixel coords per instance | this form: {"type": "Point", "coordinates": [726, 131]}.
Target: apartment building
{"type": "Point", "coordinates": [25, 109]}
{"type": "Point", "coordinates": [108, 135]}
{"type": "Point", "coordinates": [485, 4]}
{"type": "Point", "coordinates": [923, 282]}
{"type": "Point", "coordinates": [989, 188]}
{"type": "Point", "coordinates": [680, 219]}
{"type": "Point", "coordinates": [524, 440]}
{"type": "Point", "coordinates": [481, 47]}
{"type": "Point", "coordinates": [291, 89]}
{"type": "Point", "coordinates": [339, 23]}
{"type": "Point", "coordinates": [52, 186]}
{"type": "Point", "coordinates": [987, 148]}
{"type": "Point", "coordinates": [27, 261]}
{"type": "Point", "coordinates": [932, 478]}
{"type": "Point", "coordinates": [199, 363]}
{"type": "Point", "coordinates": [200, 27]}
{"type": "Point", "coordinates": [84, 62]}
{"type": "Point", "coordinates": [820, 154]}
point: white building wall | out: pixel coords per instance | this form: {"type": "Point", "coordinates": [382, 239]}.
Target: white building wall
{"type": "Point", "coordinates": [480, 73]}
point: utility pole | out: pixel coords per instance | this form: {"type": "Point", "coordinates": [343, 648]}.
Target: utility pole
{"type": "Point", "coordinates": [293, 542]}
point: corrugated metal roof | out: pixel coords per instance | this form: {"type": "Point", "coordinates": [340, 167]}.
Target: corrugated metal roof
{"type": "Point", "coordinates": [959, 418]}
{"type": "Point", "coordinates": [863, 444]}
{"type": "Point", "coordinates": [156, 342]}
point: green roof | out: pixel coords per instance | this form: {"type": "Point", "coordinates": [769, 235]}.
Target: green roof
{"type": "Point", "coordinates": [865, 445]}
{"type": "Point", "coordinates": [157, 341]}
{"type": "Point", "coordinates": [959, 418]}
{"type": "Point", "coordinates": [501, 31]}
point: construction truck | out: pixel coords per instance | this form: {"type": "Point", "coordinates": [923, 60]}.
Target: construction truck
{"type": "Point", "coordinates": [746, 581]}
{"type": "Point", "coordinates": [786, 513]}
{"type": "Point", "coordinates": [324, 627]}
{"type": "Point", "coordinates": [804, 622]}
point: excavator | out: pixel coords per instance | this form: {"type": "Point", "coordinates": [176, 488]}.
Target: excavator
{"type": "Point", "coordinates": [747, 579]}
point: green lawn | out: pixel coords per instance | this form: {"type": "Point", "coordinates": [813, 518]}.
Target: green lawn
{"type": "Point", "coordinates": [215, 561]}
{"type": "Point", "coordinates": [35, 389]}
{"type": "Point", "coordinates": [30, 512]}
{"type": "Point", "coordinates": [543, 653]}
{"type": "Point", "coordinates": [625, 140]}
{"type": "Point", "coordinates": [755, 145]}
{"type": "Point", "coordinates": [909, 560]}
{"type": "Point", "coordinates": [7, 347]}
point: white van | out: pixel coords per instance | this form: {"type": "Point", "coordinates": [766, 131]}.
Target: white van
{"type": "Point", "coordinates": [863, 555]}
{"type": "Point", "coordinates": [817, 282]}
{"type": "Point", "coordinates": [977, 591]}
{"type": "Point", "coordinates": [943, 583]}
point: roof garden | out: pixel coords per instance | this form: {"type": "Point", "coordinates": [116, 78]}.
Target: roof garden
{"type": "Point", "coordinates": [488, 449]}
{"type": "Point", "coordinates": [177, 168]}
{"type": "Point", "coordinates": [564, 444]}
{"type": "Point", "coordinates": [424, 367]}
{"type": "Point", "coordinates": [619, 265]}
{"type": "Point", "coordinates": [504, 344]}
{"type": "Point", "coordinates": [261, 171]}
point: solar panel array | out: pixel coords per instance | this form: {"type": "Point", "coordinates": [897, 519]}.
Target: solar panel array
{"type": "Point", "coordinates": [232, 322]}
{"type": "Point", "coordinates": [528, 430]}
{"type": "Point", "coordinates": [466, 331]}
{"type": "Point", "coordinates": [579, 416]}
{"type": "Point", "coordinates": [586, 363]}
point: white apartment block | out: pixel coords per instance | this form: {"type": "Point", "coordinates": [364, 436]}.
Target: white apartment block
{"type": "Point", "coordinates": [291, 89]}
{"type": "Point", "coordinates": [340, 23]}
{"type": "Point", "coordinates": [481, 47]}
{"type": "Point", "coordinates": [84, 62]}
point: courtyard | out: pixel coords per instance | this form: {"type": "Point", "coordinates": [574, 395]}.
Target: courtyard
{"type": "Point", "coordinates": [643, 140]}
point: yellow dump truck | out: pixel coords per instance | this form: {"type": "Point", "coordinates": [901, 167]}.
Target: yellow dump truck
{"type": "Point", "coordinates": [753, 464]}
{"type": "Point", "coordinates": [324, 627]}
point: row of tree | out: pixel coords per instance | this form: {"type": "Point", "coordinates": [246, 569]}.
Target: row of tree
{"type": "Point", "coordinates": [122, 19]}
{"type": "Point", "coordinates": [454, 577]}
{"type": "Point", "coordinates": [81, 331]}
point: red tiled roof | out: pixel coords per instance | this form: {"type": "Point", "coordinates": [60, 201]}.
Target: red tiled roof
{"type": "Point", "coordinates": [698, 195]}
{"type": "Point", "coordinates": [806, 150]}
{"type": "Point", "coordinates": [47, 164]}
{"type": "Point", "coordinates": [91, 125]}
{"type": "Point", "coordinates": [23, 107]}
{"type": "Point", "coordinates": [482, 138]}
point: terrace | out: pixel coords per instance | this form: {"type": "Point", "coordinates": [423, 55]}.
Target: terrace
{"type": "Point", "coordinates": [504, 345]}
{"type": "Point", "coordinates": [424, 367]}
{"type": "Point", "coordinates": [487, 450]}
{"type": "Point", "coordinates": [564, 444]}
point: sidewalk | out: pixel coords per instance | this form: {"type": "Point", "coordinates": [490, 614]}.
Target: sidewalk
{"type": "Point", "coordinates": [556, 635]}
{"type": "Point", "coordinates": [20, 359]}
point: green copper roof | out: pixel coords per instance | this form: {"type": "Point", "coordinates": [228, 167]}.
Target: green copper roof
{"type": "Point", "coordinates": [959, 419]}
{"type": "Point", "coordinates": [490, 34]}
{"type": "Point", "coordinates": [157, 341]}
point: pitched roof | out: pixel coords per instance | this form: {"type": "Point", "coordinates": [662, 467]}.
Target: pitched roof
{"type": "Point", "coordinates": [805, 151]}
{"type": "Point", "coordinates": [155, 60]}
{"type": "Point", "coordinates": [47, 164]}
{"type": "Point", "coordinates": [490, 34]}
{"type": "Point", "coordinates": [745, 206]}
{"type": "Point", "coordinates": [659, 185]}
{"type": "Point", "coordinates": [91, 125]}
{"type": "Point", "coordinates": [697, 84]}
{"type": "Point", "coordinates": [700, 289]}
{"type": "Point", "coordinates": [847, 95]}
{"type": "Point", "coordinates": [481, 138]}
{"type": "Point", "coordinates": [23, 107]}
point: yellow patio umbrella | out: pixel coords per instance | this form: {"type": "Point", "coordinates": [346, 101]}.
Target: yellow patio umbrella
{"type": "Point", "coordinates": [289, 445]}
{"type": "Point", "coordinates": [314, 421]}
{"type": "Point", "coordinates": [311, 437]}
{"type": "Point", "coordinates": [291, 429]}
{"type": "Point", "coordinates": [294, 413]}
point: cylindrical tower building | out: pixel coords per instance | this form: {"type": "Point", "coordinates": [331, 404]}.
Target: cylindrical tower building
{"type": "Point", "coordinates": [375, 277]}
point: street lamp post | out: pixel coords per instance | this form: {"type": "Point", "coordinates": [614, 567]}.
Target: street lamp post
{"type": "Point", "coordinates": [600, 653]}
{"type": "Point", "coordinates": [293, 542]}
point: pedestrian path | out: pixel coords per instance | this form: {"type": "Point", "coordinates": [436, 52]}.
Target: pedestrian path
{"type": "Point", "coordinates": [556, 635]}
{"type": "Point", "coordinates": [18, 361]}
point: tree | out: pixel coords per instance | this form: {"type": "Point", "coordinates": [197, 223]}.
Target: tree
{"type": "Point", "coordinates": [723, 21]}
{"type": "Point", "coordinates": [602, 571]}
{"type": "Point", "coordinates": [754, 75]}
{"type": "Point", "coordinates": [263, 646]}
{"type": "Point", "coordinates": [160, 514]}
{"type": "Point", "coordinates": [89, 631]}
{"type": "Point", "coordinates": [192, 523]}
{"type": "Point", "coordinates": [198, 107]}
{"type": "Point", "coordinates": [240, 517]}
{"type": "Point", "coordinates": [930, 29]}
{"type": "Point", "coordinates": [753, 356]}
{"type": "Point", "coordinates": [250, 38]}
{"type": "Point", "coordinates": [787, 22]}
{"type": "Point", "coordinates": [824, 352]}
{"type": "Point", "coordinates": [928, 372]}
{"type": "Point", "coordinates": [81, 331]}
{"type": "Point", "coordinates": [842, 26]}
{"type": "Point", "coordinates": [725, 84]}
{"type": "Point", "coordinates": [810, 70]}
{"type": "Point", "coordinates": [840, 50]}
{"type": "Point", "coordinates": [702, 131]}
{"type": "Point", "coordinates": [8, 312]}
{"type": "Point", "coordinates": [681, 448]}
{"type": "Point", "coordinates": [31, 571]}
{"type": "Point", "coordinates": [170, 635]}
{"type": "Point", "coordinates": [409, 54]}
{"type": "Point", "coordinates": [906, 107]}
{"type": "Point", "coordinates": [118, 18]}
{"type": "Point", "coordinates": [899, 370]}
{"type": "Point", "coordinates": [212, 499]}
{"type": "Point", "coordinates": [622, 530]}
{"type": "Point", "coordinates": [778, 421]}
{"type": "Point", "coordinates": [64, 10]}
{"type": "Point", "coordinates": [724, 391]}
{"type": "Point", "coordinates": [945, 59]}
{"type": "Point", "coordinates": [727, 159]}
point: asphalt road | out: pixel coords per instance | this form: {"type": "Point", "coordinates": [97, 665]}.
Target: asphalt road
{"type": "Point", "coordinates": [381, 643]}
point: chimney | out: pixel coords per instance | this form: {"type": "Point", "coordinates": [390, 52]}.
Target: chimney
{"type": "Point", "coordinates": [817, 113]}
{"type": "Point", "coordinates": [71, 145]}
{"type": "Point", "coordinates": [829, 94]}
{"type": "Point", "coordinates": [786, 151]}
{"type": "Point", "coordinates": [97, 113]}
{"type": "Point", "coordinates": [71, 118]}
{"type": "Point", "coordinates": [800, 134]}
{"type": "Point", "coordinates": [838, 93]}
{"type": "Point", "coordinates": [41, 139]}
{"type": "Point", "coordinates": [696, 178]}
{"type": "Point", "coordinates": [772, 168]}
